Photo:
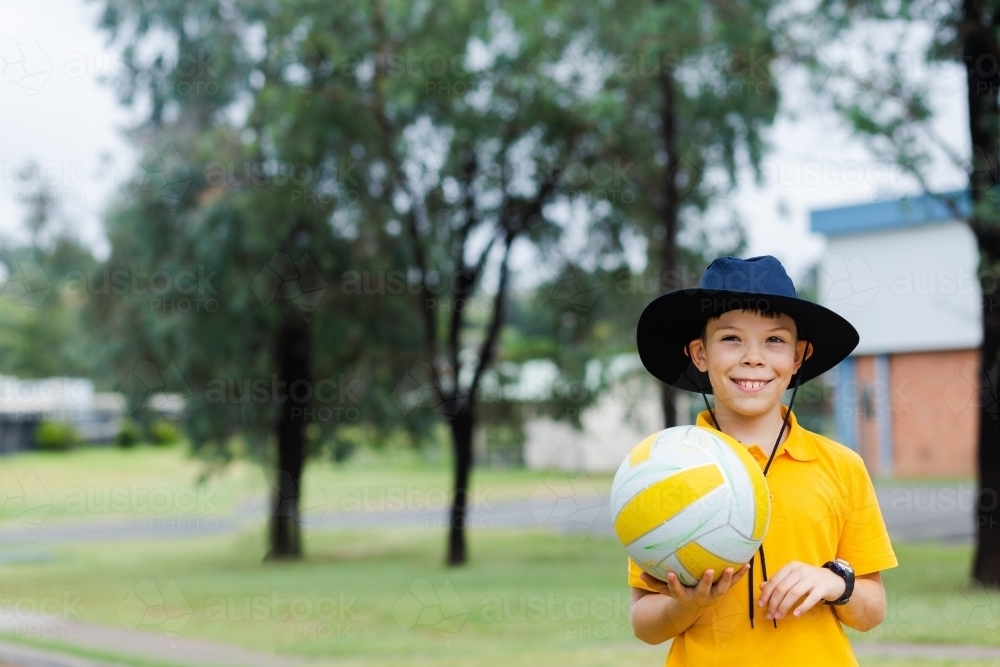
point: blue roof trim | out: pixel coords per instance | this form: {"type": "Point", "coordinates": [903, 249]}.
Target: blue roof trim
{"type": "Point", "coordinates": [905, 212]}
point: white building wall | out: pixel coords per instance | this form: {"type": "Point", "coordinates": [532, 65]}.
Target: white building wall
{"type": "Point", "coordinates": [906, 290]}
{"type": "Point", "coordinates": [618, 421]}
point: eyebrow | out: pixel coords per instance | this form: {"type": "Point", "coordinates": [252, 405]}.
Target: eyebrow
{"type": "Point", "coordinates": [733, 328]}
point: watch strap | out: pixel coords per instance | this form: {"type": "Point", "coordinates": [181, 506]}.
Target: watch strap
{"type": "Point", "coordinates": [848, 575]}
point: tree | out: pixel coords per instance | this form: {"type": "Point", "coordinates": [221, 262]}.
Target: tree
{"type": "Point", "coordinates": [43, 304]}
{"type": "Point", "coordinates": [891, 108]}
{"type": "Point", "coordinates": [694, 88]}
{"type": "Point", "coordinates": [228, 207]}
{"type": "Point", "coordinates": [460, 179]}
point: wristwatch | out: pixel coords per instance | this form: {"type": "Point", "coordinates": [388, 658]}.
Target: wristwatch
{"type": "Point", "coordinates": [844, 569]}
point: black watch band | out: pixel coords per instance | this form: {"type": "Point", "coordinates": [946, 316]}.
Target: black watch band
{"type": "Point", "coordinates": [844, 569]}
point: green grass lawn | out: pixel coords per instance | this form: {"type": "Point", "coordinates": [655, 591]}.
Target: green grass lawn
{"type": "Point", "coordinates": [383, 596]}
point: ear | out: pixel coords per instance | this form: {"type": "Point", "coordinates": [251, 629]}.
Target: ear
{"type": "Point", "coordinates": [696, 350]}
{"type": "Point", "coordinates": [806, 355]}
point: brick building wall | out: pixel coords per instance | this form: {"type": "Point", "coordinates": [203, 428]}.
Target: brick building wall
{"type": "Point", "coordinates": [911, 414]}
{"type": "Point", "coordinates": [935, 413]}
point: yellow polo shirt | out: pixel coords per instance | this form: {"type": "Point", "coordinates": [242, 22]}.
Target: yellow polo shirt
{"type": "Point", "coordinates": [823, 505]}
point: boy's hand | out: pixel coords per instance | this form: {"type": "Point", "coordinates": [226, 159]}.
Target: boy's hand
{"type": "Point", "coordinates": [704, 594]}
{"type": "Point", "coordinates": [793, 581]}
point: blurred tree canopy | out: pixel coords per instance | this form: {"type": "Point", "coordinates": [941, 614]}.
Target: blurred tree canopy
{"type": "Point", "coordinates": [318, 237]}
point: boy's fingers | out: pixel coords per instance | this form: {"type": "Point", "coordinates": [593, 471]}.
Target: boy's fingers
{"type": "Point", "coordinates": [778, 577]}
{"type": "Point", "coordinates": [795, 593]}
{"type": "Point", "coordinates": [770, 587]}
{"type": "Point", "coordinates": [808, 603]}
{"type": "Point", "coordinates": [724, 583]}
{"type": "Point", "coordinates": [776, 598]}
{"type": "Point", "coordinates": [674, 586]}
{"type": "Point", "coordinates": [705, 585]}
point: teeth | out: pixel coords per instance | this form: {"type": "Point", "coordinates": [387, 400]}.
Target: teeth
{"type": "Point", "coordinates": [751, 384]}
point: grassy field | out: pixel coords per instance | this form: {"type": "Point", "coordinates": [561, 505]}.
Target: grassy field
{"type": "Point", "coordinates": [105, 484]}
{"type": "Point", "coordinates": [363, 597]}
{"type": "Point", "coordinates": [383, 597]}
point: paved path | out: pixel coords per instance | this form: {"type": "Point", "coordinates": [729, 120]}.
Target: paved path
{"type": "Point", "coordinates": [19, 655]}
{"type": "Point", "coordinates": [927, 651]}
{"type": "Point", "coordinates": [910, 513]}
{"type": "Point", "coordinates": [137, 644]}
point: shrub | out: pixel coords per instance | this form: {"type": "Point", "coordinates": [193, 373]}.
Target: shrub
{"type": "Point", "coordinates": [162, 432]}
{"type": "Point", "coordinates": [51, 436]}
{"type": "Point", "coordinates": [128, 433]}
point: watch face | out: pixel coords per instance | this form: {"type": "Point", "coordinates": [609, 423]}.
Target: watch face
{"type": "Point", "coordinates": [844, 564]}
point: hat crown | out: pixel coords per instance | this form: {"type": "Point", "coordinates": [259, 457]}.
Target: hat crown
{"type": "Point", "coordinates": [756, 275]}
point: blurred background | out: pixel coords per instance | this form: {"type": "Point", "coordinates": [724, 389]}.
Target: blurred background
{"type": "Point", "coordinates": [317, 320]}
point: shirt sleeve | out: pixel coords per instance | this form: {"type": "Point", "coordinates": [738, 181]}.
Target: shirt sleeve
{"type": "Point", "coordinates": [864, 540]}
{"type": "Point", "coordinates": [634, 572]}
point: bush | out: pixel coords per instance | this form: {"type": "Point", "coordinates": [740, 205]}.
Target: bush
{"type": "Point", "coordinates": [128, 433]}
{"type": "Point", "coordinates": [53, 436]}
{"type": "Point", "coordinates": [162, 432]}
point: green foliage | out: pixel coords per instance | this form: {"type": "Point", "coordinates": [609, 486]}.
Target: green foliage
{"type": "Point", "coordinates": [53, 436]}
{"type": "Point", "coordinates": [129, 433]}
{"type": "Point", "coordinates": [365, 209]}
{"type": "Point", "coordinates": [163, 432]}
{"type": "Point", "coordinates": [45, 329]}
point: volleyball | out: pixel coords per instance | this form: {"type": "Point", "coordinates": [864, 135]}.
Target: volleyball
{"type": "Point", "coordinates": [687, 499]}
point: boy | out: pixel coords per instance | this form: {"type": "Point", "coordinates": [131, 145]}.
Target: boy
{"type": "Point", "coordinates": [744, 335]}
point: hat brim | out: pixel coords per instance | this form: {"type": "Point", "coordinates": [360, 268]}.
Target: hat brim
{"type": "Point", "coordinates": [674, 319]}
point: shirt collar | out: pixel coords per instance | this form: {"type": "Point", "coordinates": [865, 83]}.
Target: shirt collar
{"type": "Point", "coordinates": [798, 444]}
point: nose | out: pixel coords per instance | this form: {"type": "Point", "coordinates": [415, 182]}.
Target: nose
{"type": "Point", "coordinates": [752, 354]}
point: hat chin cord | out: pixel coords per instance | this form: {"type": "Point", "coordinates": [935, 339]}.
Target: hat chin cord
{"type": "Point", "coordinates": [784, 424]}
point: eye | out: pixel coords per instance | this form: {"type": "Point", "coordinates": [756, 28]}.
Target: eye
{"type": "Point", "coordinates": [729, 336]}
{"type": "Point", "coordinates": [777, 338]}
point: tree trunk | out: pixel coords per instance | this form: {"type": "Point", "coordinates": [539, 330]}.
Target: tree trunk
{"type": "Point", "coordinates": [461, 434]}
{"type": "Point", "coordinates": [987, 564]}
{"type": "Point", "coordinates": [292, 354]}
{"type": "Point", "coordinates": [979, 46]}
{"type": "Point", "coordinates": [668, 212]}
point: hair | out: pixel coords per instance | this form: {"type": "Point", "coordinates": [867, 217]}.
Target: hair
{"type": "Point", "coordinates": [770, 314]}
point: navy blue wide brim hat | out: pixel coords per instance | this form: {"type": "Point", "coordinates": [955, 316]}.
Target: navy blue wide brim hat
{"type": "Point", "coordinates": [674, 319]}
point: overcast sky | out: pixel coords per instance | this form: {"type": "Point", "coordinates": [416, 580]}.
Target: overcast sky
{"type": "Point", "coordinates": [54, 110]}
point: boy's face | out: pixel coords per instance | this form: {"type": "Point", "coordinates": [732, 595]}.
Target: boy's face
{"type": "Point", "coordinates": [750, 359]}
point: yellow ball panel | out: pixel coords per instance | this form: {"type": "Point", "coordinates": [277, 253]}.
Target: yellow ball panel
{"type": "Point", "coordinates": [658, 502]}
{"type": "Point", "coordinates": [640, 452]}
{"type": "Point", "coordinates": [696, 559]}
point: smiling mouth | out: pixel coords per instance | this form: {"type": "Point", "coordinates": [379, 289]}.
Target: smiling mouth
{"type": "Point", "coordinates": [751, 385]}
